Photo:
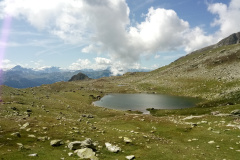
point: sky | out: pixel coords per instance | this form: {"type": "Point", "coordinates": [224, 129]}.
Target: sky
{"type": "Point", "coordinates": [116, 34]}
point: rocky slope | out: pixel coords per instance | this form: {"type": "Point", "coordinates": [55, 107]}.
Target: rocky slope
{"type": "Point", "coordinates": [78, 77]}
{"type": "Point", "coordinates": [232, 39]}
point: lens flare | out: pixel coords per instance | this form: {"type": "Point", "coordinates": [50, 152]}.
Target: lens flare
{"type": "Point", "coordinates": [3, 43]}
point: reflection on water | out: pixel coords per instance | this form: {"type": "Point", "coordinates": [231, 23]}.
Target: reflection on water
{"type": "Point", "coordinates": [141, 102]}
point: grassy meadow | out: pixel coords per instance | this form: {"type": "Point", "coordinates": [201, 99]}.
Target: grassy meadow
{"type": "Point", "coordinates": [60, 111]}
{"type": "Point", "coordinates": [30, 118]}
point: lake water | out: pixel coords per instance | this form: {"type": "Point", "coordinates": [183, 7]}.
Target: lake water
{"type": "Point", "coordinates": [141, 102]}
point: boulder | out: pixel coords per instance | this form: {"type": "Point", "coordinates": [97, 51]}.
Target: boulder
{"type": "Point", "coordinates": [17, 134]}
{"type": "Point", "coordinates": [87, 143]}
{"type": "Point", "coordinates": [215, 113]}
{"type": "Point", "coordinates": [131, 157]}
{"type": "Point", "coordinates": [31, 136]}
{"type": "Point", "coordinates": [25, 125]}
{"type": "Point", "coordinates": [74, 145]}
{"type": "Point", "coordinates": [112, 148]}
{"type": "Point", "coordinates": [56, 143]}
{"type": "Point", "coordinates": [86, 153]}
{"type": "Point", "coordinates": [236, 112]}
{"type": "Point", "coordinates": [42, 138]}
{"type": "Point", "coordinates": [29, 110]}
{"type": "Point", "coordinates": [127, 140]}
{"type": "Point", "coordinates": [33, 155]}
{"type": "Point", "coordinates": [211, 142]}
{"type": "Point", "coordinates": [70, 154]}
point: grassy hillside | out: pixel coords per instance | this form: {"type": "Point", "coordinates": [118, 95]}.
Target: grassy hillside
{"type": "Point", "coordinates": [30, 118]}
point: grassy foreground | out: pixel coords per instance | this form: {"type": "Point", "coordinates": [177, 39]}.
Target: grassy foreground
{"type": "Point", "coordinates": [60, 111]}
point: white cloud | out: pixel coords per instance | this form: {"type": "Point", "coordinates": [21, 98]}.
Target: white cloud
{"type": "Point", "coordinates": [161, 30]}
{"type": "Point", "coordinates": [80, 64]}
{"type": "Point", "coordinates": [196, 38]}
{"type": "Point", "coordinates": [227, 17]}
{"type": "Point", "coordinates": [6, 64]}
{"type": "Point", "coordinates": [103, 26]}
{"type": "Point", "coordinates": [103, 61]}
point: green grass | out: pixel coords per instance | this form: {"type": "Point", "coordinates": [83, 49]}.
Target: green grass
{"type": "Point", "coordinates": [162, 135]}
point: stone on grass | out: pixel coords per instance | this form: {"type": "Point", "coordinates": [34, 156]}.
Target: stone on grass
{"type": "Point", "coordinates": [211, 142]}
{"type": "Point", "coordinates": [56, 142]}
{"type": "Point", "coordinates": [45, 128]}
{"type": "Point", "coordinates": [42, 138]}
{"type": "Point", "coordinates": [87, 143]}
{"type": "Point", "coordinates": [20, 146]}
{"type": "Point", "coordinates": [236, 112]}
{"type": "Point", "coordinates": [127, 140]}
{"type": "Point", "coordinates": [86, 153]}
{"type": "Point", "coordinates": [130, 157]}
{"type": "Point", "coordinates": [25, 125]}
{"type": "Point", "coordinates": [74, 145]}
{"type": "Point", "coordinates": [215, 113]}
{"type": "Point", "coordinates": [29, 110]}
{"type": "Point", "coordinates": [31, 136]}
{"type": "Point", "coordinates": [70, 154]}
{"type": "Point", "coordinates": [17, 134]}
{"type": "Point", "coordinates": [112, 148]}
{"type": "Point", "coordinates": [33, 155]}
{"type": "Point", "coordinates": [29, 129]}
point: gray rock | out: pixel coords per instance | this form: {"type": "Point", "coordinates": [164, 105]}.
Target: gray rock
{"type": "Point", "coordinates": [42, 138]}
{"type": "Point", "coordinates": [130, 157]}
{"type": "Point", "coordinates": [112, 148]}
{"type": "Point", "coordinates": [215, 113]}
{"type": "Point", "coordinates": [33, 155]}
{"type": "Point", "coordinates": [70, 154]}
{"type": "Point", "coordinates": [29, 110]}
{"type": "Point", "coordinates": [17, 134]}
{"type": "Point", "coordinates": [25, 125]}
{"type": "Point", "coordinates": [44, 128]}
{"type": "Point", "coordinates": [232, 39]}
{"type": "Point", "coordinates": [90, 116]}
{"type": "Point", "coordinates": [211, 142]}
{"type": "Point", "coordinates": [31, 136]}
{"type": "Point", "coordinates": [56, 143]}
{"type": "Point", "coordinates": [236, 112]}
{"type": "Point", "coordinates": [74, 145]}
{"type": "Point", "coordinates": [87, 143]}
{"type": "Point", "coordinates": [86, 153]}
{"type": "Point", "coordinates": [127, 140]}
{"type": "Point", "coordinates": [20, 146]}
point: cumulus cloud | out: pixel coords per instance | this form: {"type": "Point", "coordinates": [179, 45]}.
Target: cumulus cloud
{"type": "Point", "coordinates": [103, 26]}
{"type": "Point", "coordinates": [103, 61]}
{"type": "Point", "coordinates": [100, 63]}
{"type": "Point", "coordinates": [161, 30]}
{"type": "Point", "coordinates": [7, 64]}
{"type": "Point", "coordinates": [227, 17]}
{"type": "Point", "coordinates": [80, 64]}
{"type": "Point", "coordinates": [196, 38]}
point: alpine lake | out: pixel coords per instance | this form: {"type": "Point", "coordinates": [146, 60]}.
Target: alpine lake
{"type": "Point", "coordinates": [142, 102]}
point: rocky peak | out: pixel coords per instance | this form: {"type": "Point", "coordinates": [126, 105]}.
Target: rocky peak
{"type": "Point", "coordinates": [79, 76]}
{"type": "Point", "coordinates": [232, 39]}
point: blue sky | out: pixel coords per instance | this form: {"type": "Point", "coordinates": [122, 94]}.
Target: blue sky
{"type": "Point", "coordinates": [121, 34]}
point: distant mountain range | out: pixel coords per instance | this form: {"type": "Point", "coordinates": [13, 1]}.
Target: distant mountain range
{"type": "Point", "coordinates": [19, 77]}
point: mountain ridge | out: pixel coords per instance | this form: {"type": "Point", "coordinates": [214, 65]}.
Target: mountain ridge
{"type": "Point", "coordinates": [20, 77]}
{"type": "Point", "coordinates": [78, 77]}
